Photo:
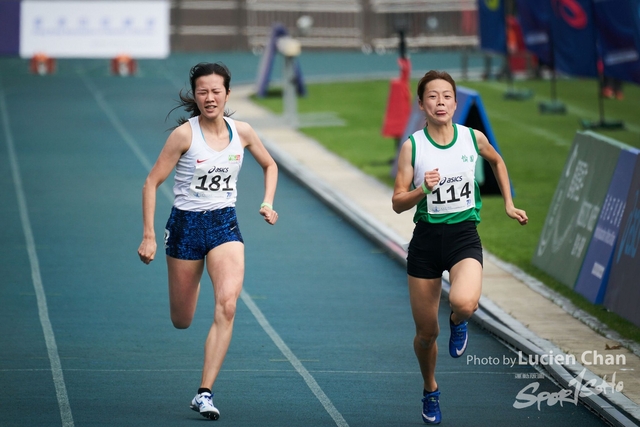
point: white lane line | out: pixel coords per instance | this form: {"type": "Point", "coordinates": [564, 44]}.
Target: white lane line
{"type": "Point", "coordinates": [126, 136]}
{"type": "Point", "coordinates": [295, 362]}
{"type": "Point", "coordinates": [240, 371]}
{"type": "Point", "coordinates": [43, 311]}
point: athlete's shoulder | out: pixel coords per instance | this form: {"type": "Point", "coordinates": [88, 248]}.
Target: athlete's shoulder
{"type": "Point", "coordinates": [419, 132]}
{"type": "Point", "coordinates": [240, 125]}
{"type": "Point", "coordinates": [469, 130]}
{"type": "Point", "coordinates": [184, 130]}
{"type": "Point", "coordinates": [466, 130]}
{"type": "Point", "coordinates": [463, 128]}
{"type": "Point", "coordinates": [247, 134]}
{"type": "Point", "coordinates": [479, 135]}
{"type": "Point", "coordinates": [181, 136]}
{"type": "Point", "coordinates": [419, 137]}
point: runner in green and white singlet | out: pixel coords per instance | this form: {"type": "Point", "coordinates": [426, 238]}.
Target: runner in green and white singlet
{"type": "Point", "coordinates": [436, 174]}
{"type": "Point", "coordinates": [456, 197]}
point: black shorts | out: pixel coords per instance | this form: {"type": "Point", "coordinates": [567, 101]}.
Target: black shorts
{"type": "Point", "coordinates": [190, 235]}
{"type": "Point", "coordinates": [435, 248]}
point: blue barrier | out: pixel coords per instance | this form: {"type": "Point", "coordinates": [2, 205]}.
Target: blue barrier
{"type": "Point", "coordinates": [623, 288]}
{"type": "Point", "coordinates": [594, 274]}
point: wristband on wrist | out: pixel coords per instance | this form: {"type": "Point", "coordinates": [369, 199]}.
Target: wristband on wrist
{"type": "Point", "coordinates": [425, 190]}
{"type": "Point", "coordinates": [266, 205]}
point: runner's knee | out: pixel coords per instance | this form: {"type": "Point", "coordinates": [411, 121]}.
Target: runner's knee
{"type": "Point", "coordinates": [426, 338]}
{"type": "Point", "coordinates": [180, 322]}
{"type": "Point", "coordinates": [464, 310]}
{"type": "Point", "coordinates": [226, 309]}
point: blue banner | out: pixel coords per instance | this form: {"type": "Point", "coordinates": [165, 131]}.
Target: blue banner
{"type": "Point", "coordinates": [573, 28]}
{"type": "Point", "coordinates": [493, 27]}
{"type": "Point", "coordinates": [535, 21]}
{"type": "Point", "coordinates": [592, 281]}
{"type": "Point", "coordinates": [623, 289]}
{"type": "Point", "coordinates": [619, 37]}
{"type": "Point", "coordinates": [10, 27]}
{"type": "Point", "coordinates": [577, 202]}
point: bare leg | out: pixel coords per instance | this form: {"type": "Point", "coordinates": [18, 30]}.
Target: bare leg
{"type": "Point", "coordinates": [225, 265]}
{"type": "Point", "coordinates": [184, 287]}
{"type": "Point", "coordinates": [466, 289]}
{"type": "Point", "coordinates": [424, 295]}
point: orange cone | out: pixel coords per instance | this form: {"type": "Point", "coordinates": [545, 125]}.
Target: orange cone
{"type": "Point", "coordinates": [42, 64]}
{"type": "Point", "coordinates": [123, 65]}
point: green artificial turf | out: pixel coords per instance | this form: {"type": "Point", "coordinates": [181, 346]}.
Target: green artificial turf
{"type": "Point", "coordinates": [533, 145]}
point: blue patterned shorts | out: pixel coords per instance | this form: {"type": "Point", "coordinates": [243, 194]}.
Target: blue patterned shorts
{"type": "Point", "coordinates": [190, 235]}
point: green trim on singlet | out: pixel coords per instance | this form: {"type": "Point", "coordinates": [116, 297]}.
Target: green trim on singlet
{"type": "Point", "coordinates": [475, 143]}
{"type": "Point", "coordinates": [413, 159]}
{"type": "Point", "coordinates": [413, 151]}
{"type": "Point", "coordinates": [480, 177]}
{"type": "Point", "coordinates": [442, 147]}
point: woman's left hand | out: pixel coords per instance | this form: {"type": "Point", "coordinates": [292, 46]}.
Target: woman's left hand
{"type": "Point", "coordinates": [518, 214]}
{"type": "Point", "coordinates": [269, 214]}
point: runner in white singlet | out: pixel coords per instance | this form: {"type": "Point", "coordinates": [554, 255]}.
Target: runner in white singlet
{"type": "Point", "coordinates": [206, 152]}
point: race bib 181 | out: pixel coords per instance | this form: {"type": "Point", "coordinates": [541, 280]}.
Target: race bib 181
{"type": "Point", "coordinates": [213, 183]}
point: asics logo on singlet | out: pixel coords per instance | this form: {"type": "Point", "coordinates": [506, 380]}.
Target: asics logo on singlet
{"type": "Point", "coordinates": [220, 170]}
{"type": "Point", "coordinates": [446, 180]}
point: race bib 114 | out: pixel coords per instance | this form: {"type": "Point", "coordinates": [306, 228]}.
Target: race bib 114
{"type": "Point", "coordinates": [454, 193]}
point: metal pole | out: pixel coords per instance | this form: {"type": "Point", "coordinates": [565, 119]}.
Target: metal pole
{"type": "Point", "coordinates": [290, 99]}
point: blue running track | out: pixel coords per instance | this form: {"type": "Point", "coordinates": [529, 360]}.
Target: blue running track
{"type": "Point", "coordinates": [323, 334]}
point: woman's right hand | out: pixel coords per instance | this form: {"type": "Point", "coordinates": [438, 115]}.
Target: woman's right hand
{"type": "Point", "coordinates": [431, 179]}
{"type": "Point", "coordinates": [147, 250]}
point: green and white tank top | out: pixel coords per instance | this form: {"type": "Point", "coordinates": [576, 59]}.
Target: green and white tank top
{"type": "Point", "coordinates": [456, 198]}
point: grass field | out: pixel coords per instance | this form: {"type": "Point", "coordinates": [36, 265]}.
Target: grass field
{"type": "Point", "coordinates": [534, 146]}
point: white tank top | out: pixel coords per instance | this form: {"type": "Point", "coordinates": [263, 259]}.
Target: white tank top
{"type": "Point", "coordinates": [206, 179]}
{"type": "Point", "coordinates": [457, 190]}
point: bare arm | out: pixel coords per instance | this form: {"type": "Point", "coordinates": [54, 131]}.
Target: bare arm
{"type": "Point", "coordinates": [502, 176]}
{"type": "Point", "coordinates": [403, 197]}
{"type": "Point", "coordinates": [177, 143]}
{"type": "Point", "coordinates": [252, 142]}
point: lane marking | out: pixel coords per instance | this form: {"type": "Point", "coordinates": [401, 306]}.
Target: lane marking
{"type": "Point", "coordinates": [318, 371]}
{"type": "Point", "coordinates": [295, 362]}
{"type": "Point", "coordinates": [126, 136]}
{"type": "Point", "coordinates": [284, 349]}
{"type": "Point", "coordinates": [43, 311]}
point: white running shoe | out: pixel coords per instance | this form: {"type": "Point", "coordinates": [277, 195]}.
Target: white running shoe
{"type": "Point", "coordinates": [203, 403]}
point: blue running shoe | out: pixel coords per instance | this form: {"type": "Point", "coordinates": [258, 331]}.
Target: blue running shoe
{"type": "Point", "coordinates": [458, 339]}
{"type": "Point", "coordinates": [431, 408]}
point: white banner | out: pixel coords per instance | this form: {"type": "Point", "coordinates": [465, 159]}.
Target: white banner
{"type": "Point", "coordinates": [95, 29]}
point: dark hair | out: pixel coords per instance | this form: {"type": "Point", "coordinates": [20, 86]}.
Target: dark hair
{"type": "Point", "coordinates": [435, 75]}
{"type": "Point", "coordinates": [187, 100]}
